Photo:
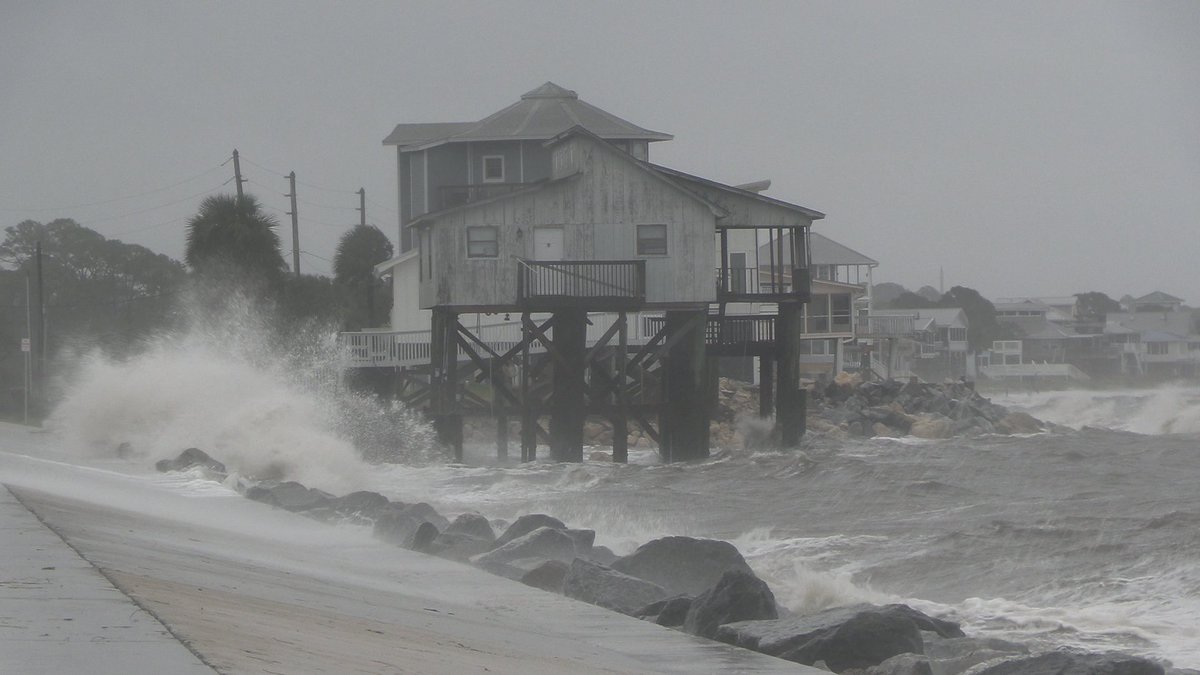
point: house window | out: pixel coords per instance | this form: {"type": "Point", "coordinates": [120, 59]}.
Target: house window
{"type": "Point", "coordinates": [651, 239]}
{"type": "Point", "coordinates": [1156, 348]}
{"type": "Point", "coordinates": [483, 242]}
{"type": "Point", "coordinates": [957, 334]}
{"type": "Point", "coordinates": [493, 168]}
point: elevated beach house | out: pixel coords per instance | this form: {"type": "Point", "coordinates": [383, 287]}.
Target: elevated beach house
{"type": "Point", "coordinates": [544, 256]}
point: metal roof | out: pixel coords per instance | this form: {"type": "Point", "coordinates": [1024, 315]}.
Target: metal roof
{"type": "Point", "coordinates": [826, 251]}
{"type": "Point", "coordinates": [541, 114]}
{"type": "Point", "coordinates": [1157, 297]}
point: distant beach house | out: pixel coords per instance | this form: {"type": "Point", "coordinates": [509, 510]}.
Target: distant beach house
{"type": "Point", "coordinates": [1154, 337]}
{"type": "Point", "coordinates": [929, 343]}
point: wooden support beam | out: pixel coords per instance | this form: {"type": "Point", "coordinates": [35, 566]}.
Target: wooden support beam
{"type": "Point", "coordinates": [788, 419]}
{"type": "Point", "coordinates": [620, 419]}
{"type": "Point", "coordinates": [528, 421]}
{"type": "Point", "coordinates": [684, 420]}
{"type": "Point", "coordinates": [568, 407]}
{"type": "Point", "coordinates": [501, 437]}
{"type": "Point", "coordinates": [444, 405]}
{"type": "Point", "coordinates": [766, 386]}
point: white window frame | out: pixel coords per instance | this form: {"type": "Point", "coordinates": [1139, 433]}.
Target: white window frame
{"type": "Point", "coordinates": [666, 249]}
{"type": "Point", "coordinates": [484, 173]}
{"type": "Point", "coordinates": [494, 241]}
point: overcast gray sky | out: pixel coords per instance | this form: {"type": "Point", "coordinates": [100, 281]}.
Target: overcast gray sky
{"type": "Point", "coordinates": [1026, 148]}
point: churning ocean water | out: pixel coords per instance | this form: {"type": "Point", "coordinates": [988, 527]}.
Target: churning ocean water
{"type": "Point", "coordinates": [1088, 536]}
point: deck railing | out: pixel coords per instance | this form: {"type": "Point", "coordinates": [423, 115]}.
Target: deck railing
{"type": "Point", "coordinates": [890, 326]}
{"type": "Point", "coordinates": [548, 282]}
{"type": "Point", "coordinates": [794, 283]}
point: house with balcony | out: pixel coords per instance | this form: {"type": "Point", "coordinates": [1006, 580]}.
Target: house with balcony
{"type": "Point", "coordinates": [1154, 337]}
{"type": "Point", "coordinates": [928, 343]}
{"type": "Point", "coordinates": [1050, 334]}
{"type": "Point", "coordinates": [613, 277]}
{"type": "Point", "coordinates": [443, 165]}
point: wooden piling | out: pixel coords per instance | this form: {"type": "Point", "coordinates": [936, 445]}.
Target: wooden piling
{"type": "Point", "coordinates": [568, 406]}
{"type": "Point", "coordinates": [787, 343]}
{"type": "Point", "coordinates": [620, 418]}
{"type": "Point", "coordinates": [766, 386]}
{"type": "Point", "coordinates": [685, 417]}
{"type": "Point", "coordinates": [443, 356]}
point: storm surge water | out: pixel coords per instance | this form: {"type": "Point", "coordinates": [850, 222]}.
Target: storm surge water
{"type": "Point", "coordinates": [266, 402]}
{"type": "Point", "coordinates": [1083, 537]}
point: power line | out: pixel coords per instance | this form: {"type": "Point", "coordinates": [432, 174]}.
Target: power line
{"type": "Point", "coordinates": [116, 199]}
{"type": "Point", "coordinates": [92, 221]}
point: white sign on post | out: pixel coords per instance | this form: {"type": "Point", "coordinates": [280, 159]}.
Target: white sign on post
{"type": "Point", "coordinates": [25, 345]}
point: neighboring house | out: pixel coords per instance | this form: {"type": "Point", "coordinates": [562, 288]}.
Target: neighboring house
{"type": "Point", "coordinates": [1154, 337]}
{"type": "Point", "coordinates": [446, 165]}
{"type": "Point", "coordinates": [930, 343]}
{"type": "Point", "coordinates": [1049, 334]}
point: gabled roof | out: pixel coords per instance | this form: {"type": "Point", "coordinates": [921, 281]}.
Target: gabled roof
{"type": "Point", "coordinates": [541, 114]}
{"type": "Point", "coordinates": [686, 178]}
{"type": "Point", "coordinates": [826, 251]}
{"type": "Point", "coordinates": [930, 316]}
{"type": "Point", "coordinates": [1162, 336]}
{"type": "Point", "coordinates": [1157, 297]}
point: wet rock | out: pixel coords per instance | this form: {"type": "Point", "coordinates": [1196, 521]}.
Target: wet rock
{"type": "Point", "coordinates": [671, 612]}
{"type": "Point", "coordinates": [902, 664]}
{"type": "Point", "coordinates": [526, 524]}
{"type": "Point", "coordinates": [423, 537]}
{"type": "Point", "coordinates": [395, 527]}
{"type": "Point", "coordinates": [608, 588]}
{"type": "Point", "coordinates": [930, 425]}
{"type": "Point", "coordinates": [1019, 423]}
{"type": "Point", "coordinates": [602, 555]}
{"type": "Point", "coordinates": [738, 596]}
{"type": "Point", "coordinates": [424, 512]}
{"type": "Point", "coordinates": [683, 565]}
{"type": "Point", "coordinates": [458, 546]}
{"type": "Point", "coordinates": [583, 540]}
{"type": "Point", "coordinates": [361, 503]}
{"type": "Point", "coordinates": [472, 524]}
{"type": "Point", "coordinates": [549, 576]}
{"type": "Point", "coordinates": [1065, 663]}
{"type": "Point", "coordinates": [777, 637]}
{"type": "Point", "coordinates": [192, 457]}
{"type": "Point", "coordinates": [954, 655]}
{"type": "Point", "coordinates": [289, 495]}
{"type": "Point", "coordinates": [544, 543]}
{"type": "Point", "coordinates": [867, 639]}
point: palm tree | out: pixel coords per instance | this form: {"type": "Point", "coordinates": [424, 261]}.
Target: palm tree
{"type": "Point", "coordinates": [358, 252]}
{"type": "Point", "coordinates": [233, 232]}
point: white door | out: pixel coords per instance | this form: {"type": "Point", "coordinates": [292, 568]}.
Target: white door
{"type": "Point", "coordinates": [547, 243]}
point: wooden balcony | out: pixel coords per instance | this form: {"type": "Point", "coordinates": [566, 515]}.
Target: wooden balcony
{"type": "Point", "coordinates": [598, 285]}
{"type": "Point", "coordinates": [763, 284]}
{"type": "Point", "coordinates": [449, 196]}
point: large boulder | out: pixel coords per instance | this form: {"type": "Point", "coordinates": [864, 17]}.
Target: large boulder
{"type": "Point", "coordinates": [472, 524]}
{"type": "Point", "coordinates": [683, 565]}
{"type": "Point", "coordinates": [424, 512]}
{"type": "Point", "coordinates": [956, 654]}
{"type": "Point", "coordinates": [544, 543]}
{"type": "Point", "coordinates": [782, 635]}
{"type": "Point", "coordinates": [460, 546]}
{"type": "Point", "coordinates": [526, 524]}
{"type": "Point", "coordinates": [609, 588]}
{"type": "Point", "coordinates": [395, 527]}
{"type": "Point", "coordinates": [549, 576]}
{"type": "Point", "coordinates": [192, 457]}
{"type": "Point", "coordinates": [1066, 663]}
{"type": "Point", "coordinates": [931, 425]}
{"type": "Point", "coordinates": [671, 612]}
{"type": "Point", "coordinates": [738, 596]}
{"type": "Point", "coordinates": [1019, 423]}
{"type": "Point", "coordinates": [423, 537]}
{"type": "Point", "coordinates": [902, 664]}
{"type": "Point", "coordinates": [289, 495]}
{"type": "Point", "coordinates": [868, 639]}
{"type": "Point", "coordinates": [363, 504]}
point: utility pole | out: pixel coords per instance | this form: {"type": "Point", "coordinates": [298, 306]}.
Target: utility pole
{"type": "Point", "coordinates": [38, 373]}
{"type": "Point", "coordinates": [295, 224]}
{"type": "Point", "coordinates": [237, 174]}
{"type": "Point", "coordinates": [362, 206]}
{"type": "Point", "coordinates": [28, 348]}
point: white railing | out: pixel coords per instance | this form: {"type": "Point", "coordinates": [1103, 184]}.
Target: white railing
{"type": "Point", "coordinates": [890, 326]}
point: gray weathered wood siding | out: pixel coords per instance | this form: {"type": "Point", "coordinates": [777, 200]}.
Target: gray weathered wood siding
{"type": "Point", "coordinates": [417, 184]}
{"type": "Point", "coordinates": [447, 166]}
{"type": "Point", "coordinates": [404, 198]}
{"type": "Point", "coordinates": [509, 150]}
{"type": "Point", "coordinates": [599, 210]}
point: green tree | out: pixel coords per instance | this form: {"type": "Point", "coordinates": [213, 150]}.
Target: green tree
{"type": "Point", "coordinates": [910, 300]}
{"type": "Point", "coordinates": [981, 313]}
{"type": "Point", "coordinates": [358, 252]}
{"type": "Point", "coordinates": [1094, 306]}
{"type": "Point", "coordinates": [233, 234]}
